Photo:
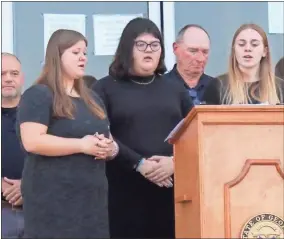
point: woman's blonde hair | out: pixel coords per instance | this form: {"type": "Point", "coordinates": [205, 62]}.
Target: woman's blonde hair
{"type": "Point", "coordinates": [237, 91]}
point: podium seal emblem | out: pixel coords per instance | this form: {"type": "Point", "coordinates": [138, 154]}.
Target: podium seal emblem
{"type": "Point", "coordinates": [262, 226]}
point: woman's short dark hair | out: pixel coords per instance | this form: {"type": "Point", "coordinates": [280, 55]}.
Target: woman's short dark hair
{"type": "Point", "coordinates": [123, 59]}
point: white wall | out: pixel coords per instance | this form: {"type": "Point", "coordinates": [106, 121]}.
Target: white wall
{"type": "Point", "coordinates": [7, 27]}
{"type": "Point", "coordinates": [169, 33]}
{"type": "Point", "coordinates": [155, 13]}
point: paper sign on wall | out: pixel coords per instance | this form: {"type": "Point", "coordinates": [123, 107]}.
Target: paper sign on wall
{"type": "Point", "coordinates": [53, 22]}
{"type": "Point", "coordinates": [107, 31]}
{"type": "Point", "coordinates": [275, 17]}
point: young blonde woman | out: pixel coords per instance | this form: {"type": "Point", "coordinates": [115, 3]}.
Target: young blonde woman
{"type": "Point", "coordinates": [250, 79]}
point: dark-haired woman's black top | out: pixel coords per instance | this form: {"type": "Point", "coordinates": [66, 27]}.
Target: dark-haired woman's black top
{"type": "Point", "coordinates": [64, 196]}
{"type": "Point", "coordinates": [141, 116]}
{"type": "Point", "coordinates": [218, 87]}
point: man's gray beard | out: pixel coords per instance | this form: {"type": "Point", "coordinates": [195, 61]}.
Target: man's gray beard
{"type": "Point", "coordinates": [10, 97]}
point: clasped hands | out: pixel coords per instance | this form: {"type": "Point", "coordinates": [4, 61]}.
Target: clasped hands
{"type": "Point", "coordinates": [11, 189]}
{"type": "Point", "coordinates": [98, 146]}
{"type": "Point", "coordinates": [158, 169]}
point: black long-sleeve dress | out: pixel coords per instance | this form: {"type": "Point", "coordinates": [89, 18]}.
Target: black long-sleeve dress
{"type": "Point", "coordinates": [141, 116]}
{"type": "Point", "coordinates": [64, 196]}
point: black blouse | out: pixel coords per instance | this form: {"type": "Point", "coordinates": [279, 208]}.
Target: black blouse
{"type": "Point", "coordinates": [142, 114]}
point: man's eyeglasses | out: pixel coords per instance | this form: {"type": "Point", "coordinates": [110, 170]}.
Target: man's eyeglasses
{"type": "Point", "coordinates": [142, 46]}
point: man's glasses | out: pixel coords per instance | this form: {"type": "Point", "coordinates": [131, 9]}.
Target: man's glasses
{"type": "Point", "coordinates": [142, 46]}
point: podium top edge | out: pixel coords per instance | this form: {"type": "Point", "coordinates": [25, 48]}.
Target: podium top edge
{"type": "Point", "coordinates": [233, 108]}
{"type": "Point", "coordinates": [259, 114]}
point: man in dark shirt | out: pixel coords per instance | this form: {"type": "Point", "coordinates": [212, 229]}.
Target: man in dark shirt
{"type": "Point", "coordinates": [192, 50]}
{"type": "Point", "coordinates": [12, 154]}
{"type": "Point", "coordinates": [279, 68]}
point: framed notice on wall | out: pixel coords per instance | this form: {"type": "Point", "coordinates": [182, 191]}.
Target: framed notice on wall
{"type": "Point", "coordinates": [107, 31]}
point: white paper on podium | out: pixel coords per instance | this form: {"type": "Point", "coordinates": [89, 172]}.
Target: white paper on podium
{"type": "Point", "coordinates": [53, 22]}
{"type": "Point", "coordinates": [275, 17]}
{"type": "Point", "coordinates": [107, 31]}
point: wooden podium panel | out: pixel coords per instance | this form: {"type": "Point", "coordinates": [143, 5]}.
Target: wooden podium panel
{"type": "Point", "coordinates": [228, 169]}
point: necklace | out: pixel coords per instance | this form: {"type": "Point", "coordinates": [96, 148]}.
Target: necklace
{"type": "Point", "coordinates": [71, 93]}
{"type": "Point", "coordinates": [144, 83]}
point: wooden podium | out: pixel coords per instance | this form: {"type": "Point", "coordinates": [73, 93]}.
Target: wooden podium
{"type": "Point", "coordinates": [229, 179]}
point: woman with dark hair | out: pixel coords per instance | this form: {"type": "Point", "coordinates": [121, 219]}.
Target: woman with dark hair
{"type": "Point", "coordinates": [143, 108]}
{"type": "Point", "coordinates": [64, 129]}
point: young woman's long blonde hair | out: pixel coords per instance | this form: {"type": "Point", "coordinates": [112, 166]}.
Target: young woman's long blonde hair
{"type": "Point", "coordinates": [237, 91]}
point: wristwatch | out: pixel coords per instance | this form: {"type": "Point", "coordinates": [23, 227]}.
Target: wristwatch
{"type": "Point", "coordinates": [138, 164]}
